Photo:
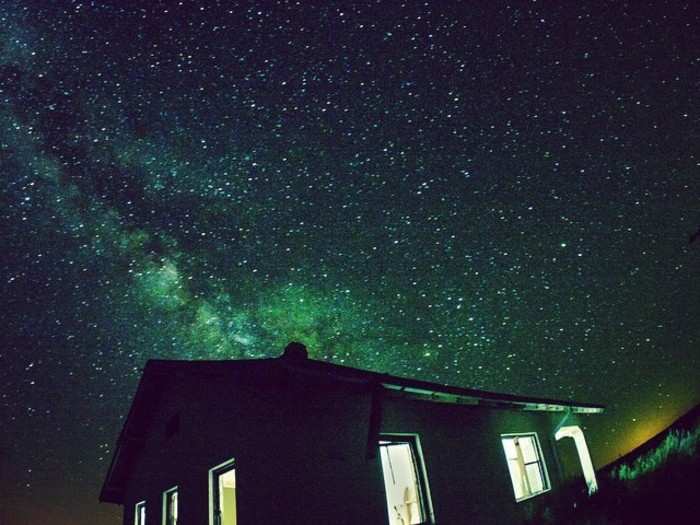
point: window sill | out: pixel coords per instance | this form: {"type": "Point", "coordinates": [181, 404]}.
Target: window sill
{"type": "Point", "coordinates": [532, 496]}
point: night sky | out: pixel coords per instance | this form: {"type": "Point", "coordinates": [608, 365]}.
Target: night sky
{"type": "Point", "coordinates": [487, 194]}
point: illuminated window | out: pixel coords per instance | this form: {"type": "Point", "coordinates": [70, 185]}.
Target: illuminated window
{"type": "Point", "coordinates": [527, 469]}
{"type": "Point", "coordinates": [407, 496]}
{"type": "Point", "coordinates": [222, 490]}
{"type": "Point", "coordinates": [170, 499]}
{"type": "Point", "coordinates": [140, 513]}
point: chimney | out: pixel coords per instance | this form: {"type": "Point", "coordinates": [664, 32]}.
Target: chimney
{"type": "Point", "coordinates": [295, 351]}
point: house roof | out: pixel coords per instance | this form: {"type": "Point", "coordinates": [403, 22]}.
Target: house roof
{"type": "Point", "coordinates": [295, 360]}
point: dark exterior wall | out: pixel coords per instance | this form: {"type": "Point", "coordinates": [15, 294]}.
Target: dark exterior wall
{"type": "Point", "coordinates": [465, 463]}
{"type": "Point", "coordinates": [300, 450]}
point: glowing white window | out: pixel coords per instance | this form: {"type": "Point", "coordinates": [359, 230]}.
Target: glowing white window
{"type": "Point", "coordinates": [222, 490]}
{"type": "Point", "coordinates": [406, 489]}
{"type": "Point", "coordinates": [528, 473]}
{"type": "Point", "coordinates": [170, 510]}
{"type": "Point", "coordinates": [140, 513]}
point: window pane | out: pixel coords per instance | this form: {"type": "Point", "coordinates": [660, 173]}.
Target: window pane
{"type": "Point", "coordinates": [227, 497]}
{"type": "Point", "coordinates": [516, 478]}
{"type": "Point", "coordinates": [401, 484]}
{"type": "Point", "coordinates": [534, 476]}
{"type": "Point", "coordinates": [141, 513]}
{"type": "Point", "coordinates": [509, 448]}
{"type": "Point", "coordinates": [174, 507]}
{"type": "Point", "coordinates": [171, 507]}
{"type": "Point", "coordinates": [527, 446]}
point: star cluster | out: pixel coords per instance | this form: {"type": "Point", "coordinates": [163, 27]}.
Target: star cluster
{"type": "Point", "coordinates": [493, 195]}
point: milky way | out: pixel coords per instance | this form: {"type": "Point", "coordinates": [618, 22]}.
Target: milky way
{"type": "Point", "coordinates": [495, 197]}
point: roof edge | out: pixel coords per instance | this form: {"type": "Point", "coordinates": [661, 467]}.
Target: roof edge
{"type": "Point", "coordinates": [111, 492]}
{"type": "Point", "coordinates": [492, 401]}
{"type": "Point", "coordinates": [436, 392]}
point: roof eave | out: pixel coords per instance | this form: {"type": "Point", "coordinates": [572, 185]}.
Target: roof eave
{"type": "Point", "coordinates": [532, 404]}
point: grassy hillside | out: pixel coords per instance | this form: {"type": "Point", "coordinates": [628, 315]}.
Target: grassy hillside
{"type": "Point", "coordinates": [678, 445]}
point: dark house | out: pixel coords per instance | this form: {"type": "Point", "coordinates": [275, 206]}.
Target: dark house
{"type": "Point", "coordinates": [297, 441]}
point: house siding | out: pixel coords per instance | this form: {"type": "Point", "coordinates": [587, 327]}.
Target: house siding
{"type": "Point", "coordinates": [300, 450]}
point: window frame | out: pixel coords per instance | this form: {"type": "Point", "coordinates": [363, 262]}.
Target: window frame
{"type": "Point", "coordinates": [166, 496]}
{"type": "Point", "coordinates": [424, 497]}
{"type": "Point", "coordinates": [547, 485]}
{"type": "Point", "coordinates": [214, 472]}
{"type": "Point", "coordinates": [137, 508]}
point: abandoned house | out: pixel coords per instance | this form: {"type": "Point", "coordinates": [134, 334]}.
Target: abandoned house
{"type": "Point", "coordinates": [298, 441]}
